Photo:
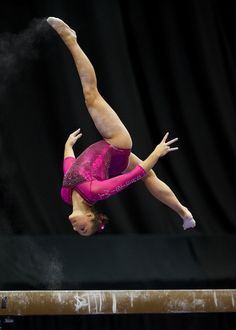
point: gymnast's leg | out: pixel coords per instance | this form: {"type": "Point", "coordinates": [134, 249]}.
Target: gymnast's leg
{"type": "Point", "coordinates": [163, 193]}
{"type": "Point", "coordinates": [104, 117]}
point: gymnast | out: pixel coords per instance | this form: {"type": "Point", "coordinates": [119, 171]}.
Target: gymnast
{"type": "Point", "coordinates": [107, 166]}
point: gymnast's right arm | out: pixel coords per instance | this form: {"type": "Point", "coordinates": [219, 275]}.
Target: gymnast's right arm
{"type": "Point", "coordinates": [73, 137]}
{"type": "Point", "coordinates": [161, 149]}
{"type": "Point", "coordinates": [69, 156]}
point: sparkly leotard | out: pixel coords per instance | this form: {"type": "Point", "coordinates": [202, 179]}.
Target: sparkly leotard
{"type": "Point", "coordinates": [96, 173]}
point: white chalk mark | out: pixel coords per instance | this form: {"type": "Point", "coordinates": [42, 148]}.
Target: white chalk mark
{"type": "Point", "coordinates": [95, 300]}
{"type": "Point", "coordinates": [232, 298]}
{"type": "Point", "coordinates": [199, 302]}
{"type": "Point", "coordinates": [114, 303]}
{"type": "Point", "coordinates": [80, 302]}
{"type": "Point", "coordinates": [132, 300]}
{"type": "Point", "coordinates": [215, 299]}
{"type": "Point", "coordinates": [100, 302]}
{"type": "Point", "coordinates": [89, 305]}
{"type": "Point", "coordinates": [59, 297]}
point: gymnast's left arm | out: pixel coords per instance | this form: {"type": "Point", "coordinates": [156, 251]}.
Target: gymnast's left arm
{"type": "Point", "coordinates": [106, 188]}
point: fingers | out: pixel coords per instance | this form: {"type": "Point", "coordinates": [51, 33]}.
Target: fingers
{"type": "Point", "coordinates": [171, 141]}
{"type": "Point", "coordinates": [173, 149]}
{"type": "Point", "coordinates": [78, 136]}
{"type": "Point", "coordinates": [76, 132]}
{"type": "Point", "coordinates": [165, 137]}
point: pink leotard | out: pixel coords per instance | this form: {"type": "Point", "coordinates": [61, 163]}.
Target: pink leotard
{"type": "Point", "coordinates": [96, 173]}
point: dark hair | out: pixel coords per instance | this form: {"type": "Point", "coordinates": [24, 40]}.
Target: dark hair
{"type": "Point", "coordinates": [99, 220]}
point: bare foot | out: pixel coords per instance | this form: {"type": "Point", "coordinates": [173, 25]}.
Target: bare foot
{"type": "Point", "coordinates": [65, 32]}
{"type": "Point", "coordinates": [188, 221]}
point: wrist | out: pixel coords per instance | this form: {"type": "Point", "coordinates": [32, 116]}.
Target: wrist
{"type": "Point", "coordinates": [68, 144]}
{"type": "Point", "coordinates": [68, 151]}
{"type": "Point", "coordinates": [157, 154]}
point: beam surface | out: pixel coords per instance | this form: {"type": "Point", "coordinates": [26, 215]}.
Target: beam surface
{"type": "Point", "coordinates": [116, 302]}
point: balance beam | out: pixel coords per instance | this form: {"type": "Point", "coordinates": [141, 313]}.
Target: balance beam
{"type": "Point", "coordinates": [13, 303]}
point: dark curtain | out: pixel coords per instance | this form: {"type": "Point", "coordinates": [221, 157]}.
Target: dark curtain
{"type": "Point", "coordinates": [163, 66]}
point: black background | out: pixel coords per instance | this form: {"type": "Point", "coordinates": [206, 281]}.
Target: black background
{"type": "Point", "coordinates": [163, 66]}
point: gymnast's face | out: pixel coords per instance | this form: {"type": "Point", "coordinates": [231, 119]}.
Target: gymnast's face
{"type": "Point", "coordinates": [82, 222]}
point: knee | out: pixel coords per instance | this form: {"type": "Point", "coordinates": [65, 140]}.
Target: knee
{"type": "Point", "coordinates": [129, 142]}
{"type": "Point", "coordinates": [90, 96]}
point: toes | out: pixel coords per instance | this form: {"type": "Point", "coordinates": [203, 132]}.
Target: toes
{"type": "Point", "coordinates": [52, 20]}
{"type": "Point", "coordinates": [189, 223]}
{"type": "Point", "coordinates": [56, 22]}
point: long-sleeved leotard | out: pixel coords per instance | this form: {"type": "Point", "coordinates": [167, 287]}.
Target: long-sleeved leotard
{"type": "Point", "coordinates": [96, 173]}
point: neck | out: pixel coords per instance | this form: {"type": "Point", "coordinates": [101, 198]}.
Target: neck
{"type": "Point", "coordinates": [78, 203]}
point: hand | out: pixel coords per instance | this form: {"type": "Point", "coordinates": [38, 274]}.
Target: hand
{"type": "Point", "coordinates": [73, 137]}
{"type": "Point", "coordinates": [164, 147]}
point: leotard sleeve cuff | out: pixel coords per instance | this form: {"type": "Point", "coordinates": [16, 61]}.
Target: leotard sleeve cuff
{"type": "Point", "coordinates": [67, 163]}
{"type": "Point", "coordinates": [142, 170]}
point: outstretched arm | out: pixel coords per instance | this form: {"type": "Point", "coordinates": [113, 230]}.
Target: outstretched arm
{"type": "Point", "coordinates": [162, 149]}
{"type": "Point", "coordinates": [102, 189]}
{"type": "Point", "coordinates": [162, 192]}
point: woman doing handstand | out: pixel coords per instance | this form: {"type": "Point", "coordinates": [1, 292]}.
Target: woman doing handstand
{"type": "Point", "coordinates": [107, 166]}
